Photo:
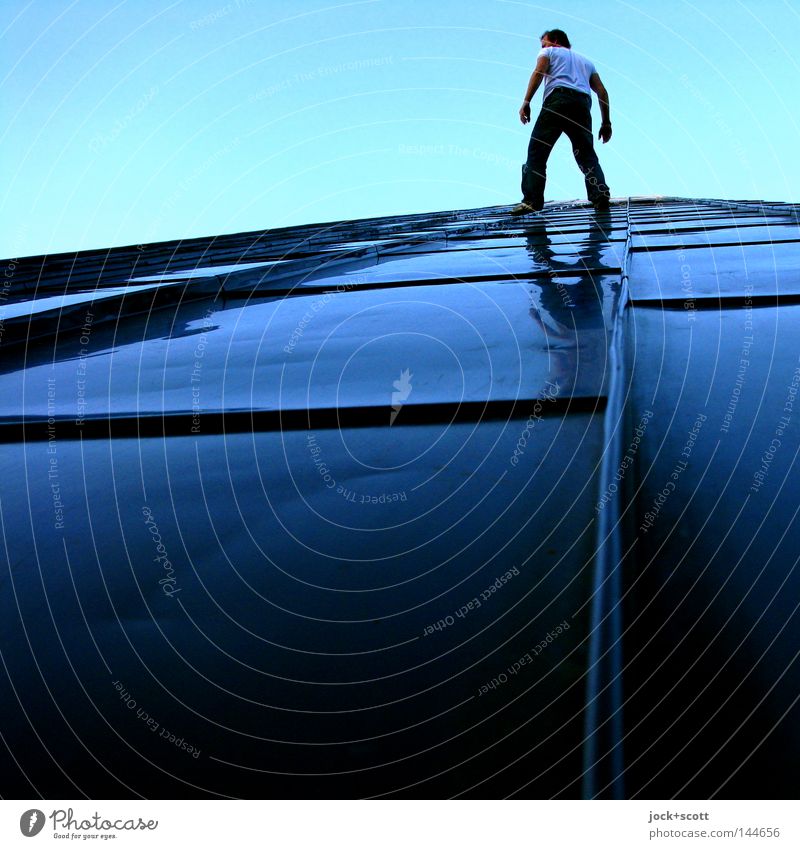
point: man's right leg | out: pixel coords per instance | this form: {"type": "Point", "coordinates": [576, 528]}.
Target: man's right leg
{"type": "Point", "coordinates": [544, 135]}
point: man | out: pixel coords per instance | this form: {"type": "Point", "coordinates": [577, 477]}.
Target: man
{"type": "Point", "coordinates": [566, 108]}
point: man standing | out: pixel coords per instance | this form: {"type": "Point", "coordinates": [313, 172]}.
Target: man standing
{"type": "Point", "coordinates": [566, 108]}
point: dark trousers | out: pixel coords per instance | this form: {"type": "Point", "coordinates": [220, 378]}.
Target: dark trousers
{"type": "Point", "coordinates": [565, 110]}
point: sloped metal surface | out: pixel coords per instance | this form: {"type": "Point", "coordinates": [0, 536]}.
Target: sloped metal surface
{"type": "Point", "coordinates": [467, 342]}
{"type": "Point", "coordinates": [767, 268]}
{"type": "Point", "coordinates": [366, 509]}
{"type": "Point", "coordinates": [301, 637]}
{"type": "Point", "coordinates": [713, 636]}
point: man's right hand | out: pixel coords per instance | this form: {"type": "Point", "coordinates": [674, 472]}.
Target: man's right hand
{"type": "Point", "coordinates": [605, 132]}
{"type": "Point", "coordinates": [525, 112]}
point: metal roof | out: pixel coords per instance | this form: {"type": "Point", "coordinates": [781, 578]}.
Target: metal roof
{"type": "Point", "coordinates": [436, 505]}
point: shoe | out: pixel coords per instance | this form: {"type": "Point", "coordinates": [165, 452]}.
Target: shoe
{"type": "Point", "coordinates": [523, 208]}
{"type": "Point", "coordinates": [601, 204]}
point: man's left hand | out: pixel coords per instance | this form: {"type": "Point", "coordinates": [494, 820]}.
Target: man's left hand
{"type": "Point", "coordinates": [525, 112]}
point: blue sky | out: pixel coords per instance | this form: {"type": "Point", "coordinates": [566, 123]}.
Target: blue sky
{"type": "Point", "coordinates": [141, 121]}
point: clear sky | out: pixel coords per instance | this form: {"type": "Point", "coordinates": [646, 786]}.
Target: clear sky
{"type": "Point", "coordinates": [137, 121]}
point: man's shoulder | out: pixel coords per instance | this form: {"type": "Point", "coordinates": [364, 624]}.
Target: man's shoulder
{"type": "Point", "coordinates": [564, 53]}
{"type": "Point", "coordinates": [582, 58]}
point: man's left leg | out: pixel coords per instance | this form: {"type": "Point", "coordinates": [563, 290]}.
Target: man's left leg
{"type": "Point", "coordinates": [579, 131]}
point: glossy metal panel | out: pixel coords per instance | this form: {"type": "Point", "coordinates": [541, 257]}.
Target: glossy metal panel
{"type": "Point", "coordinates": [712, 601]}
{"type": "Point", "coordinates": [762, 269]}
{"type": "Point", "coordinates": [459, 343]}
{"type": "Point", "coordinates": [288, 605]}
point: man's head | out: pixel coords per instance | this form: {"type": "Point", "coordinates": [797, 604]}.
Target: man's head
{"type": "Point", "coordinates": [555, 38]}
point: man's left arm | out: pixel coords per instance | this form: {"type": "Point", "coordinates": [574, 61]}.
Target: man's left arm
{"type": "Point", "coordinates": [539, 73]}
{"type": "Point", "coordinates": [599, 89]}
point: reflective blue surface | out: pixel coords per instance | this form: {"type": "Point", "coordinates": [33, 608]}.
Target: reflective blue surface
{"type": "Point", "coordinates": [297, 614]}
{"type": "Point", "coordinates": [744, 235]}
{"type": "Point", "coordinates": [398, 602]}
{"type": "Point", "coordinates": [713, 631]}
{"type": "Point", "coordinates": [462, 343]}
{"type": "Point", "coordinates": [769, 269]}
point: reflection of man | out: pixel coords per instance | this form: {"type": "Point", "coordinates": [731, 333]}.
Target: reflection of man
{"type": "Point", "coordinates": [572, 305]}
{"type": "Point", "coordinates": [569, 79]}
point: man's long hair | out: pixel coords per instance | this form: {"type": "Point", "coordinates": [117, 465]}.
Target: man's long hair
{"type": "Point", "coordinates": [557, 35]}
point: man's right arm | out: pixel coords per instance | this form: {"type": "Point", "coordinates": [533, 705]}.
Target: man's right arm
{"type": "Point", "coordinates": [605, 109]}
{"type": "Point", "coordinates": [539, 73]}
